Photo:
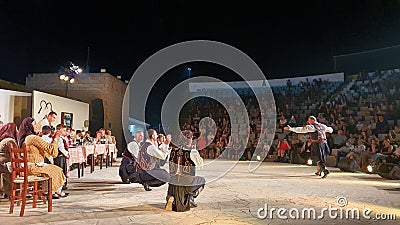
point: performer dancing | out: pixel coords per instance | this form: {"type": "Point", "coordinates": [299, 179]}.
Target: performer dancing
{"type": "Point", "coordinates": [184, 185]}
{"type": "Point", "coordinates": [319, 145]}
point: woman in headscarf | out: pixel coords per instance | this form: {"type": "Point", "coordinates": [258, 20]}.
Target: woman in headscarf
{"type": "Point", "coordinates": [26, 128]}
{"type": "Point", "coordinates": [8, 136]}
{"type": "Point", "coordinates": [37, 150]}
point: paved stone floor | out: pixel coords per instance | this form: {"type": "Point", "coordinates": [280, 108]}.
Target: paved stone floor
{"type": "Point", "coordinates": [100, 198]}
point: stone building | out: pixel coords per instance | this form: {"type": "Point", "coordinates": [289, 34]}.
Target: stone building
{"type": "Point", "coordinates": [103, 91]}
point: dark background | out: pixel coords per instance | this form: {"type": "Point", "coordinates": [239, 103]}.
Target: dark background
{"type": "Point", "coordinates": [288, 39]}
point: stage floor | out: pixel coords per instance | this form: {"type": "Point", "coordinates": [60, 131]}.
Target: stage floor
{"type": "Point", "coordinates": [101, 198]}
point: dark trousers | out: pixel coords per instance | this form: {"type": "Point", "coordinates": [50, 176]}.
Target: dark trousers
{"type": "Point", "coordinates": [182, 193]}
{"type": "Point", "coordinates": [339, 155]}
{"type": "Point", "coordinates": [197, 183]}
{"type": "Point", "coordinates": [61, 162]}
{"type": "Point", "coordinates": [154, 178]}
{"type": "Point", "coordinates": [319, 151]}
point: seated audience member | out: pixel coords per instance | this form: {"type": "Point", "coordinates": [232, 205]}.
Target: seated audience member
{"type": "Point", "coordinates": [8, 136]}
{"type": "Point", "coordinates": [352, 139]}
{"type": "Point", "coordinates": [394, 157]}
{"type": "Point", "coordinates": [292, 122]}
{"type": "Point", "coordinates": [283, 147]}
{"type": "Point", "coordinates": [357, 151]}
{"type": "Point", "coordinates": [87, 139]}
{"type": "Point", "coordinates": [367, 155]}
{"type": "Point", "coordinates": [386, 151]}
{"type": "Point", "coordinates": [37, 150]}
{"type": "Point", "coordinates": [339, 140]}
{"type": "Point", "coordinates": [236, 149]}
{"type": "Point", "coordinates": [344, 151]}
{"type": "Point", "coordinates": [111, 140]}
{"type": "Point", "coordinates": [395, 173]}
{"type": "Point", "coordinates": [78, 138]}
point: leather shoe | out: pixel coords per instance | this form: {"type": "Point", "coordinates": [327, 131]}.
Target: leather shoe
{"type": "Point", "coordinates": [146, 187]}
{"type": "Point", "coordinates": [196, 193]}
{"type": "Point", "coordinates": [193, 204]}
{"type": "Point", "coordinates": [56, 196]}
{"type": "Point", "coordinates": [326, 172]}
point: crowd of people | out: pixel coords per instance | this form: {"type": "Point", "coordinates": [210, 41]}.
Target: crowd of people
{"type": "Point", "coordinates": [365, 119]}
{"type": "Point", "coordinates": [364, 122]}
{"type": "Point", "coordinates": [47, 145]}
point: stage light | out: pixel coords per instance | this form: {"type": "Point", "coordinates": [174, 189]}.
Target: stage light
{"type": "Point", "coordinates": [62, 76]}
{"type": "Point", "coordinates": [72, 80]}
{"type": "Point", "coordinates": [66, 78]}
{"type": "Point", "coordinates": [79, 70]}
{"type": "Point", "coordinates": [370, 169]}
{"type": "Point", "coordinates": [309, 162]}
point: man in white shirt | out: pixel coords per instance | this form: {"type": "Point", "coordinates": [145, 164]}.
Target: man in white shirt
{"type": "Point", "coordinates": [319, 145]}
{"type": "Point", "coordinates": [134, 146]}
{"type": "Point", "coordinates": [150, 174]}
{"type": "Point", "coordinates": [127, 169]}
{"type": "Point", "coordinates": [48, 120]}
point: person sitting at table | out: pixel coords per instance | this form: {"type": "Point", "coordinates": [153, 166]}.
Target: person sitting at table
{"type": "Point", "coordinates": [150, 174]}
{"type": "Point", "coordinates": [111, 140]}
{"type": "Point", "coordinates": [88, 139]}
{"type": "Point", "coordinates": [101, 137]}
{"type": "Point", "coordinates": [78, 138]}
{"type": "Point", "coordinates": [37, 149]}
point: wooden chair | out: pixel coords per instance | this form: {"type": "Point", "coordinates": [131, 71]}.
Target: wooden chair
{"type": "Point", "coordinates": [22, 184]}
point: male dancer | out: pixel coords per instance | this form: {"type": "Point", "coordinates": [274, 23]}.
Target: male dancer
{"type": "Point", "coordinates": [184, 185]}
{"type": "Point", "coordinates": [150, 173]}
{"type": "Point", "coordinates": [319, 145]}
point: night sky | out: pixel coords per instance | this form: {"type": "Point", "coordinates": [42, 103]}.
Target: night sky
{"type": "Point", "coordinates": [291, 39]}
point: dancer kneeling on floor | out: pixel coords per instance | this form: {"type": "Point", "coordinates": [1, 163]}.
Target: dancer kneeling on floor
{"type": "Point", "coordinates": [184, 185]}
{"type": "Point", "coordinates": [150, 159]}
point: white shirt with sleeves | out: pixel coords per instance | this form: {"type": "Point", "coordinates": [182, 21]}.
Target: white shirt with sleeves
{"type": "Point", "coordinates": [134, 148]}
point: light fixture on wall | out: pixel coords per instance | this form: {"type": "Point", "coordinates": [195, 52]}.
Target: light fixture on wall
{"type": "Point", "coordinates": [67, 74]}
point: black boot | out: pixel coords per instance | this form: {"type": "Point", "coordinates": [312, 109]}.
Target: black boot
{"type": "Point", "coordinates": [326, 172]}
{"type": "Point", "coordinates": [193, 204]}
{"type": "Point", "coordinates": [146, 186]}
